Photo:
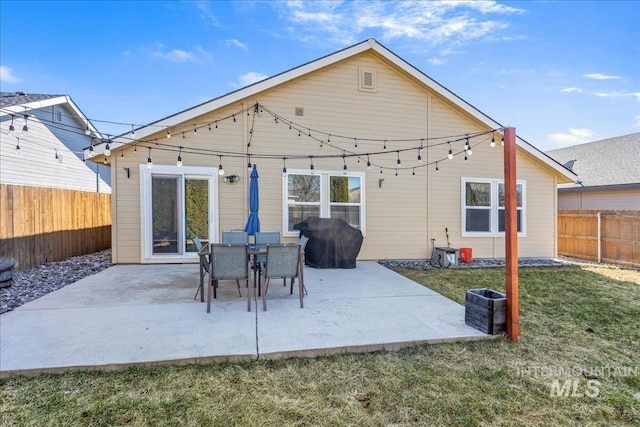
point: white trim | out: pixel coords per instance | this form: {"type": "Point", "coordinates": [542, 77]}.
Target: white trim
{"type": "Point", "coordinates": [146, 250]}
{"type": "Point", "coordinates": [325, 203]}
{"type": "Point", "coordinates": [494, 208]}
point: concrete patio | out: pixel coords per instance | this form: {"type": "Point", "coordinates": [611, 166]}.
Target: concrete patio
{"type": "Point", "coordinates": [146, 314]}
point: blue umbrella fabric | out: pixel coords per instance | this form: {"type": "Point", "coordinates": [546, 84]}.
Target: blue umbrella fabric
{"type": "Point", "coordinates": [253, 223]}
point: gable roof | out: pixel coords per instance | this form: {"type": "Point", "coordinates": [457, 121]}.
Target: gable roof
{"type": "Point", "coordinates": [611, 162]}
{"type": "Point", "coordinates": [19, 102]}
{"type": "Point", "coordinates": [367, 45]}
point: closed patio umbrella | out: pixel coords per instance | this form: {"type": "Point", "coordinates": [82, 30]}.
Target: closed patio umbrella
{"type": "Point", "coordinates": [253, 223]}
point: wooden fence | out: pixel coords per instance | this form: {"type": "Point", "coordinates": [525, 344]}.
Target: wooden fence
{"type": "Point", "coordinates": [39, 225]}
{"type": "Point", "coordinates": [602, 236]}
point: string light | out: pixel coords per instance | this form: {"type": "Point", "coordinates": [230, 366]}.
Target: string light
{"type": "Point", "coordinates": [467, 147]}
{"type": "Point", "coordinates": [396, 171]}
{"type": "Point", "coordinates": [12, 128]}
{"type": "Point", "coordinates": [149, 162]}
{"type": "Point", "coordinates": [25, 128]}
{"type": "Point", "coordinates": [57, 158]}
{"type": "Point", "coordinates": [220, 168]}
{"type": "Point", "coordinates": [18, 144]}
{"type": "Point", "coordinates": [344, 161]}
{"type": "Point", "coordinates": [465, 158]}
{"type": "Point", "coordinates": [107, 150]}
{"type": "Point", "coordinates": [234, 118]}
{"type": "Point", "coordinates": [105, 161]}
{"type": "Point", "coordinates": [414, 172]}
{"type": "Point", "coordinates": [493, 139]}
{"type": "Point", "coordinates": [179, 161]}
{"type": "Point", "coordinates": [216, 124]}
{"type": "Point", "coordinates": [133, 132]}
{"type": "Point", "coordinates": [249, 165]}
{"type": "Point", "coordinates": [355, 143]}
{"type": "Point", "coordinates": [311, 167]}
{"type": "Point", "coordinates": [91, 149]}
{"type": "Point", "coordinates": [168, 134]}
{"type": "Point", "coordinates": [368, 163]}
{"type": "Point", "coordinates": [209, 127]}
{"type": "Point", "coordinates": [398, 162]}
{"type": "Point", "coordinates": [284, 166]}
{"type": "Point", "coordinates": [437, 168]}
{"type": "Point", "coordinates": [501, 140]}
{"type": "Point", "coordinates": [183, 137]}
{"type": "Point", "coordinates": [385, 144]}
{"type": "Point", "coordinates": [195, 129]}
{"type": "Point", "coordinates": [87, 131]}
{"type": "Point", "coordinates": [450, 155]}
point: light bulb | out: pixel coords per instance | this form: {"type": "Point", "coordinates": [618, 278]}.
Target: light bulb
{"type": "Point", "coordinates": [220, 170]}
{"type": "Point", "coordinates": [168, 134]}
{"type": "Point", "coordinates": [87, 131]}
{"type": "Point", "coordinates": [179, 162]}
{"type": "Point", "coordinates": [107, 151]}
{"type": "Point", "coordinates": [450, 155]}
{"type": "Point", "coordinates": [149, 163]}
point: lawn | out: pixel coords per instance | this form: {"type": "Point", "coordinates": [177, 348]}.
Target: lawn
{"type": "Point", "coordinates": [577, 363]}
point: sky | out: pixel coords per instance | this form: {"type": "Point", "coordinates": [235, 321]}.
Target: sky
{"type": "Point", "coordinates": [560, 72]}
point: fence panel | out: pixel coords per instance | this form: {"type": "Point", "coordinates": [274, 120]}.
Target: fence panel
{"type": "Point", "coordinates": [39, 225]}
{"type": "Point", "coordinates": [613, 238]}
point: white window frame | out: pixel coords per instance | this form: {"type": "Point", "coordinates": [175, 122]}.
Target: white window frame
{"type": "Point", "coordinates": [325, 194]}
{"type": "Point", "coordinates": [146, 232]}
{"type": "Point", "coordinates": [494, 208]}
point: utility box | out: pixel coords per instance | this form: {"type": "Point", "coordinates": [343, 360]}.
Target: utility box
{"type": "Point", "coordinates": [446, 257]}
{"type": "Point", "coordinates": [486, 310]}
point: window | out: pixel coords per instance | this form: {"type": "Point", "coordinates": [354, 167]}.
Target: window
{"type": "Point", "coordinates": [57, 115]}
{"type": "Point", "coordinates": [483, 207]}
{"type": "Point", "coordinates": [323, 194]}
{"type": "Point", "coordinates": [177, 204]}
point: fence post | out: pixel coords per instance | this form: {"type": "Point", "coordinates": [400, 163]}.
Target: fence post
{"type": "Point", "coordinates": [599, 237]}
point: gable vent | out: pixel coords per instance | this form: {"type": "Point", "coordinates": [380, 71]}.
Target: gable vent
{"type": "Point", "coordinates": [300, 111]}
{"type": "Point", "coordinates": [367, 79]}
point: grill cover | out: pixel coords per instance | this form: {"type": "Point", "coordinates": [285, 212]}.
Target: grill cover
{"type": "Point", "coordinates": [332, 242]}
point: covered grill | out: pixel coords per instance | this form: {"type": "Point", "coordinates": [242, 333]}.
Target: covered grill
{"type": "Point", "coordinates": [332, 242]}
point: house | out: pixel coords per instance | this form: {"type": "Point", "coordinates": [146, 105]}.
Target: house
{"type": "Point", "coordinates": [42, 142]}
{"type": "Point", "coordinates": [608, 174]}
{"type": "Point", "coordinates": [360, 119]}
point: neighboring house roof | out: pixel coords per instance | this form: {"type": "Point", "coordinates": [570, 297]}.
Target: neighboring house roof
{"type": "Point", "coordinates": [367, 45]}
{"type": "Point", "coordinates": [20, 102]}
{"type": "Point", "coordinates": [606, 164]}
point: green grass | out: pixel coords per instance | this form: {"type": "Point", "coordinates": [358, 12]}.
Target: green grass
{"type": "Point", "coordinates": [491, 382]}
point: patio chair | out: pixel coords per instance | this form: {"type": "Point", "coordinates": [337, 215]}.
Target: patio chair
{"type": "Point", "coordinates": [228, 262]}
{"type": "Point", "coordinates": [262, 238]}
{"type": "Point", "coordinates": [303, 244]}
{"type": "Point", "coordinates": [235, 237]}
{"type": "Point", "coordinates": [204, 266]}
{"type": "Point", "coordinates": [283, 261]}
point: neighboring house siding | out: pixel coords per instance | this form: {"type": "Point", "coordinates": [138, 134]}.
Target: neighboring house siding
{"type": "Point", "coordinates": [606, 199]}
{"type": "Point", "coordinates": [401, 215]}
{"type": "Point", "coordinates": [35, 163]}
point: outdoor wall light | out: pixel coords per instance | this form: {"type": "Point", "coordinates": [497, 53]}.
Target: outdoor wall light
{"type": "Point", "coordinates": [231, 178]}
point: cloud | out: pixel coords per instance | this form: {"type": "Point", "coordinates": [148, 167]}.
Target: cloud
{"type": "Point", "coordinates": [572, 90]}
{"type": "Point", "coordinates": [237, 43]}
{"type": "Point", "coordinates": [7, 76]}
{"type": "Point", "coordinates": [427, 23]}
{"type": "Point", "coordinates": [206, 14]}
{"type": "Point", "coordinates": [248, 79]}
{"type": "Point", "coordinates": [599, 76]}
{"type": "Point", "coordinates": [575, 136]}
{"type": "Point", "coordinates": [435, 61]}
{"type": "Point", "coordinates": [179, 55]}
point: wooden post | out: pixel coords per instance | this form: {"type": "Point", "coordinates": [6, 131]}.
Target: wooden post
{"type": "Point", "coordinates": [511, 234]}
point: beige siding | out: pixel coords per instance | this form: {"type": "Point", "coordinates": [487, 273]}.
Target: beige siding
{"type": "Point", "coordinates": [611, 199]}
{"type": "Point", "coordinates": [402, 212]}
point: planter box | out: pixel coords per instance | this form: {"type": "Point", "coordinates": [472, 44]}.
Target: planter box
{"type": "Point", "coordinates": [6, 272]}
{"type": "Point", "coordinates": [486, 310]}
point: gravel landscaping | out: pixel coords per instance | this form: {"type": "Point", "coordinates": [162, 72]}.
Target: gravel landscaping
{"type": "Point", "coordinates": [39, 281]}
